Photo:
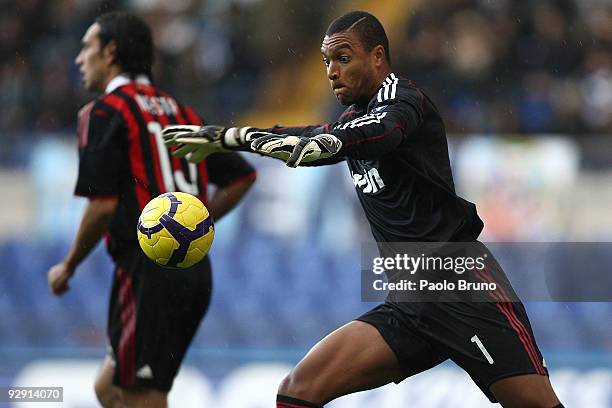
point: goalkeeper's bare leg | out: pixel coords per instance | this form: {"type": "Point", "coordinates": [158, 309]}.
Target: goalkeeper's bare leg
{"type": "Point", "coordinates": [355, 358]}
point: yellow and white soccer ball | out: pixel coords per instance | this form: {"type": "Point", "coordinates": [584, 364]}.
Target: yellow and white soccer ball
{"type": "Point", "coordinates": [175, 230]}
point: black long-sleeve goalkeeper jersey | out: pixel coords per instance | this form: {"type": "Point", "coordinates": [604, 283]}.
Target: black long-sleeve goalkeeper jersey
{"type": "Point", "coordinates": [397, 153]}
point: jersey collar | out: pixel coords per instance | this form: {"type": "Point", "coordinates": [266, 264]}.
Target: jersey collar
{"type": "Point", "coordinates": [124, 79]}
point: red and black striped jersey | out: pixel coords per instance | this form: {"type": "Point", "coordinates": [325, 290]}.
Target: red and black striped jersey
{"type": "Point", "coordinates": [122, 154]}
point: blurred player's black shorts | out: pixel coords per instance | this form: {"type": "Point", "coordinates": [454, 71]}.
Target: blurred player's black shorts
{"type": "Point", "coordinates": [490, 341]}
{"type": "Point", "coordinates": [154, 313]}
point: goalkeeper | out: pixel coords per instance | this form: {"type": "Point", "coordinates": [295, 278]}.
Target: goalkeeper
{"type": "Point", "coordinates": [394, 142]}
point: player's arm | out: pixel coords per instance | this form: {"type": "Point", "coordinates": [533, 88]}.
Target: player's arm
{"type": "Point", "coordinates": [100, 158]}
{"type": "Point", "coordinates": [198, 142]}
{"type": "Point", "coordinates": [94, 223]}
{"type": "Point", "coordinates": [367, 137]}
{"type": "Point", "coordinates": [233, 177]}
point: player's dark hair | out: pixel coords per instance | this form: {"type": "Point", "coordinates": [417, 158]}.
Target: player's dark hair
{"type": "Point", "coordinates": [368, 28]}
{"type": "Point", "coordinates": [133, 39]}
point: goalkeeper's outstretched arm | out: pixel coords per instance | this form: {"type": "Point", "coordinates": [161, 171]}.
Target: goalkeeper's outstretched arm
{"type": "Point", "coordinates": [368, 137]}
{"type": "Point", "coordinates": [198, 142]}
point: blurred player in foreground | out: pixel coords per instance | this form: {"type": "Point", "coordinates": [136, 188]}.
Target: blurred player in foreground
{"type": "Point", "coordinates": [154, 312]}
{"type": "Point", "coordinates": [394, 142]}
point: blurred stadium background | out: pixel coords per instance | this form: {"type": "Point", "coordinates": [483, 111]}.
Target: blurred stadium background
{"type": "Point", "coordinates": [526, 90]}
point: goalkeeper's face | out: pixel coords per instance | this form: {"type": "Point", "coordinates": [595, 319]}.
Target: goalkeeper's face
{"type": "Point", "coordinates": [353, 71]}
{"type": "Point", "coordinates": [94, 63]}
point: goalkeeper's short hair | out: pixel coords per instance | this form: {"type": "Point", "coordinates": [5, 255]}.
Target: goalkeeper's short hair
{"type": "Point", "coordinates": [369, 29]}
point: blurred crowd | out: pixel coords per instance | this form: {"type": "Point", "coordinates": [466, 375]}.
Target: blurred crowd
{"type": "Point", "coordinates": [209, 54]}
{"type": "Point", "coordinates": [490, 65]}
{"type": "Point", "coordinates": [514, 66]}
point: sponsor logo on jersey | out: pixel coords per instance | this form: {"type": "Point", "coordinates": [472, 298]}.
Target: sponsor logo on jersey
{"type": "Point", "coordinates": [369, 182]}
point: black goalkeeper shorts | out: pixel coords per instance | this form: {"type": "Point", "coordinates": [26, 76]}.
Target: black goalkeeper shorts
{"type": "Point", "coordinates": [154, 313]}
{"type": "Point", "coordinates": [490, 341]}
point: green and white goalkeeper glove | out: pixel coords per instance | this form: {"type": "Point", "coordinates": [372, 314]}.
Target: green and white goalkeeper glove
{"type": "Point", "coordinates": [198, 142]}
{"type": "Point", "coordinates": [296, 149]}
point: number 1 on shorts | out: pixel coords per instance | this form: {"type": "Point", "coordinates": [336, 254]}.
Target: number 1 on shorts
{"type": "Point", "coordinates": [482, 348]}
